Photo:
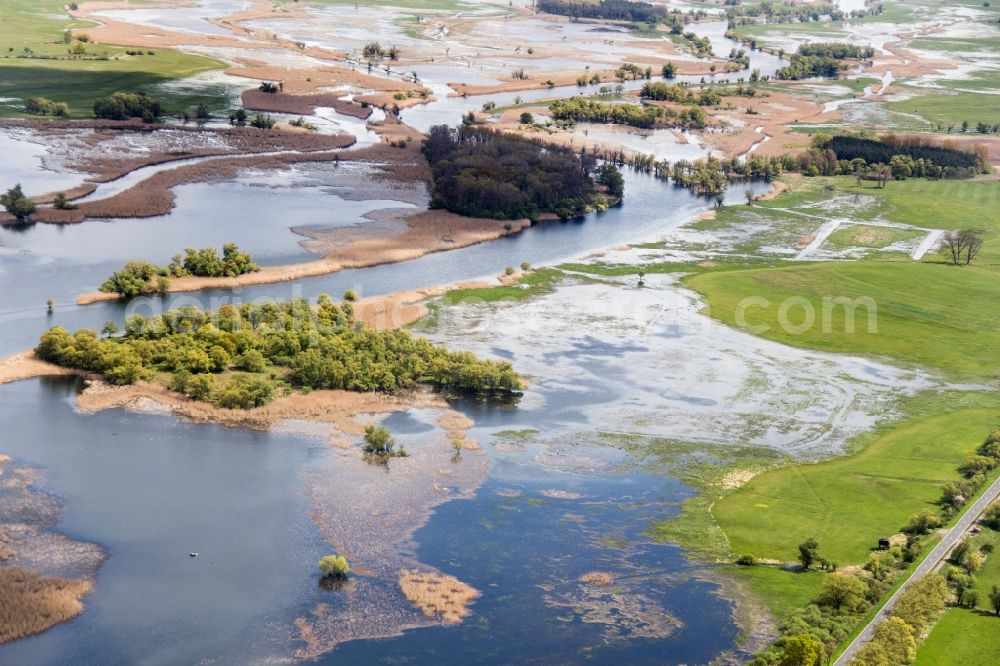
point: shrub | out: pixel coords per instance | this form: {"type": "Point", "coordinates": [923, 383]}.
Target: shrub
{"type": "Point", "coordinates": [334, 566]}
{"type": "Point", "coordinates": [378, 441]}
{"type": "Point", "coordinates": [17, 204]}
{"type": "Point", "coordinates": [122, 106]}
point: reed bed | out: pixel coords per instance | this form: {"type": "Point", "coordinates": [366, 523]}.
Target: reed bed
{"type": "Point", "coordinates": [437, 594]}
{"type": "Point", "coordinates": [31, 603]}
{"type": "Point", "coordinates": [303, 105]}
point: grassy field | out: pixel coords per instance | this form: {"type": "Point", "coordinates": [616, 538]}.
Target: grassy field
{"type": "Point", "coordinates": [930, 315]}
{"type": "Point", "coordinates": [963, 636]}
{"type": "Point", "coordinates": [970, 638]}
{"type": "Point", "coordinates": [946, 109]}
{"type": "Point", "coordinates": [847, 503]}
{"type": "Point", "coordinates": [37, 26]}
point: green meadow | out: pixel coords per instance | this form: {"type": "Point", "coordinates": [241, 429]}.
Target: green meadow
{"type": "Point", "coordinates": [102, 70]}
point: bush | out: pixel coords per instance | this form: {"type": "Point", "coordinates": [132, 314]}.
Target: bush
{"type": "Point", "coordinates": [746, 560]}
{"type": "Point", "coordinates": [334, 566]}
{"type": "Point", "coordinates": [17, 204]}
{"type": "Point", "coordinates": [378, 441]}
{"type": "Point", "coordinates": [122, 106]}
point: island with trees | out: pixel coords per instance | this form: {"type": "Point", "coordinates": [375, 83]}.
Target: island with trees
{"type": "Point", "coordinates": [482, 173]}
{"type": "Point", "coordinates": [241, 357]}
{"type": "Point", "coordinates": [141, 277]}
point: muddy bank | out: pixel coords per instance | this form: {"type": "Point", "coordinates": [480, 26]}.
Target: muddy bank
{"type": "Point", "coordinates": [103, 151]}
{"type": "Point", "coordinates": [303, 105]}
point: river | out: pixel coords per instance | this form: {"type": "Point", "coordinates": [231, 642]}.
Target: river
{"type": "Point", "coordinates": [149, 488]}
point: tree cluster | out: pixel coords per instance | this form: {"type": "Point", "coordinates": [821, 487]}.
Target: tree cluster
{"type": "Point", "coordinates": [123, 105]}
{"type": "Point", "coordinates": [481, 173]}
{"type": "Point", "coordinates": [578, 109]}
{"type": "Point", "coordinates": [961, 246]}
{"type": "Point", "coordinates": [321, 348]}
{"type": "Point", "coordinates": [614, 10]}
{"type": "Point", "coordinates": [141, 277]}
{"type": "Point", "coordinates": [46, 107]}
{"type": "Point", "coordinates": [673, 92]}
{"type": "Point", "coordinates": [955, 162]}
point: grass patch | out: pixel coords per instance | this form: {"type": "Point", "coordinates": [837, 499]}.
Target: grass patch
{"type": "Point", "coordinates": [864, 235]}
{"type": "Point", "coordinates": [515, 434]}
{"type": "Point", "coordinates": [964, 637]}
{"type": "Point", "coordinates": [951, 109]}
{"type": "Point", "coordinates": [931, 315]}
{"type": "Point", "coordinates": [781, 591]}
{"type": "Point", "coordinates": [527, 285]}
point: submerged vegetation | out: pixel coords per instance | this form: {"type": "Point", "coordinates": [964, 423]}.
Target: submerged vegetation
{"type": "Point", "coordinates": [482, 173]}
{"type": "Point", "coordinates": [240, 357]}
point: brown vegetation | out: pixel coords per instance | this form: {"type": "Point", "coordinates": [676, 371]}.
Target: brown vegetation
{"type": "Point", "coordinates": [437, 594]}
{"type": "Point", "coordinates": [303, 105]}
{"type": "Point", "coordinates": [31, 603]}
{"type": "Point", "coordinates": [602, 578]}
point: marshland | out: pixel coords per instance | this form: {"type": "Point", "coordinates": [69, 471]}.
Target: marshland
{"type": "Point", "coordinates": [635, 491]}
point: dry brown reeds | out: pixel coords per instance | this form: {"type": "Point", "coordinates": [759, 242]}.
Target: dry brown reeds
{"type": "Point", "coordinates": [437, 594]}
{"type": "Point", "coordinates": [602, 578]}
{"type": "Point", "coordinates": [303, 105]}
{"type": "Point", "coordinates": [31, 603]}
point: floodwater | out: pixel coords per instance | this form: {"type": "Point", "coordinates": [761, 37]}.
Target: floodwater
{"type": "Point", "coordinates": [555, 504]}
{"type": "Point", "coordinates": [185, 19]}
{"type": "Point", "coordinates": [24, 162]}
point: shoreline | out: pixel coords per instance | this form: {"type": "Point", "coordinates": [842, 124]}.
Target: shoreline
{"type": "Point", "coordinates": [426, 232]}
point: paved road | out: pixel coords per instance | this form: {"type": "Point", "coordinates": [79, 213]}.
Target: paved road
{"type": "Point", "coordinates": [929, 565]}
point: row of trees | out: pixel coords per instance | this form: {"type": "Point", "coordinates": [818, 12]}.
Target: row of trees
{"type": "Point", "coordinates": [578, 109]}
{"type": "Point", "coordinates": [482, 173]}
{"type": "Point", "coordinates": [141, 277]}
{"type": "Point", "coordinates": [770, 12]}
{"type": "Point", "coordinates": [321, 348]}
{"type": "Point", "coordinates": [682, 94]}
{"type": "Point", "coordinates": [615, 10]}
{"type": "Point", "coordinates": [947, 154]}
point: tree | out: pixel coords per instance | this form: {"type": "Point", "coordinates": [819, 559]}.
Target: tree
{"type": "Point", "coordinates": [995, 599]}
{"type": "Point", "coordinates": [18, 205]}
{"type": "Point", "coordinates": [334, 566]}
{"type": "Point", "coordinates": [527, 119]}
{"type": "Point", "coordinates": [748, 193]}
{"type": "Point", "coordinates": [808, 551]}
{"type": "Point", "coordinates": [378, 441]}
{"type": "Point", "coordinates": [922, 523]}
{"type": "Point", "coordinates": [609, 176]}
{"type": "Point", "coordinates": [951, 246]}
{"type": "Point", "coordinates": [802, 650]}
{"type": "Point", "coordinates": [892, 643]}
{"type": "Point", "coordinates": [973, 242]}
{"type": "Point", "coordinates": [842, 591]}
{"type": "Point", "coordinates": [110, 328]}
